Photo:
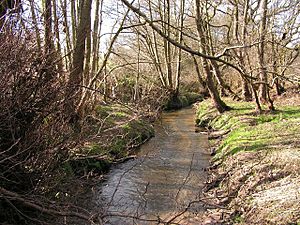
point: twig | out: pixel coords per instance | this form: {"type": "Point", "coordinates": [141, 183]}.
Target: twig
{"type": "Point", "coordinates": [12, 196]}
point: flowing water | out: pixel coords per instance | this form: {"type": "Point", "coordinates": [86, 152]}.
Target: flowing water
{"type": "Point", "coordinates": [166, 177]}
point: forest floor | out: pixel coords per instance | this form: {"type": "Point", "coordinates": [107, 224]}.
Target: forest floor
{"type": "Point", "coordinates": [255, 172]}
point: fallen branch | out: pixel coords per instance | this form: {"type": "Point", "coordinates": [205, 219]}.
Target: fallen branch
{"type": "Point", "coordinates": [12, 196]}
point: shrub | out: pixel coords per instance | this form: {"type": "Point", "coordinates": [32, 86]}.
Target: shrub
{"type": "Point", "coordinates": [32, 127]}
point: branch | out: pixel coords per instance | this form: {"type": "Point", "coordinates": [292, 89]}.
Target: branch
{"type": "Point", "coordinates": [16, 197]}
{"type": "Point", "coordinates": [225, 50]}
{"type": "Point", "coordinates": [175, 43]}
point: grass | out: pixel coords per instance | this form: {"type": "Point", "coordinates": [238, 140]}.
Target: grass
{"type": "Point", "coordinates": [261, 157]}
{"type": "Point", "coordinates": [249, 131]}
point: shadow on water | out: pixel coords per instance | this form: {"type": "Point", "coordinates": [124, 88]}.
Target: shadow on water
{"type": "Point", "coordinates": [167, 175]}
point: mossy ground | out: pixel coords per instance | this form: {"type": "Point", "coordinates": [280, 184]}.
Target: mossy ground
{"type": "Point", "coordinates": [258, 176]}
{"type": "Point", "coordinates": [108, 135]}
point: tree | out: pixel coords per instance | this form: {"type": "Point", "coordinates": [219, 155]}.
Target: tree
{"type": "Point", "coordinates": [261, 52]}
{"type": "Point", "coordinates": [74, 88]}
{"type": "Point", "coordinates": [208, 68]}
{"type": "Point", "coordinates": [5, 5]}
{"type": "Point", "coordinates": [49, 45]}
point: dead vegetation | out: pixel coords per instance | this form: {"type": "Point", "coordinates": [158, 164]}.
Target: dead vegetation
{"type": "Point", "coordinates": [257, 167]}
{"type": "Point", "coordinates": [40, 155]}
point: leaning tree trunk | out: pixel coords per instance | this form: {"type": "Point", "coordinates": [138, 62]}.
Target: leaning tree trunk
{"type": "Point", "coordinates": [202, 82]}
{"type": "Point", "coordinates": [218, 103]}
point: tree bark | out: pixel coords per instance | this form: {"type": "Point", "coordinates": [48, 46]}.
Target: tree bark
{"type": "Point", "coordinates": [245, 83]}
{"type": "Point", "coordinates": [49, 45]}
{"type": "Point", "coordinates": [74, 89]}
{"type": "Point", "coordinates": [180, 40]}
{"type": "Point", "coordinates": [68, 62]}
{"type": "Point", "coordinates": [35, 24]}
{"type": "Point", "coordinates": [202, 82]}
{"type": "Point", "coordinates": [261, 53]}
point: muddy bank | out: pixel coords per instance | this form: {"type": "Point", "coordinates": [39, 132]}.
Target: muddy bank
{"type": "Point", "coordinates": [254, 176]}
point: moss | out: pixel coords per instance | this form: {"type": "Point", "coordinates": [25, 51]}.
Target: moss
{"type": "Point", "coordinates": [193, 97]}
{"type": "Point", "coordinates": [182, 100]}
{"type": "Point", "coordinates": [86, 165]}
{"type": "Point", "coordinates": [238, 219]}
{"type": "Point", "coordinates": [103, 111]}
{"type": "Point", "coordinates": [109, 133]}
{"type": "Point", "coordinates": [120, 115]}
{"type": "Point", "coordinates": [67, 168]}
{"type": "Point", "coordinates": [94, 149]}
{"type": "Point", "coordinates": [117, 148]}
{"type": "Point", "coordinates": [138, 131]}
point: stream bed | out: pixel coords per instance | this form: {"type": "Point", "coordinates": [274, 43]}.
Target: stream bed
{"type": "Point", "coordinates": [163, 180]}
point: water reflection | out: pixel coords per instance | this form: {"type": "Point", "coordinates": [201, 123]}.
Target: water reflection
{"type": "Point", "coordinates": [167, 175]}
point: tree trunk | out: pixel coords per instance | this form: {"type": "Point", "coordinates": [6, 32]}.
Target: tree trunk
{"type": "Point", "coordinates": [245, 83]}
{"type": "Point", "coordinates": [76, 74]}
{"type": "Point", "coordinates": [167, 44]}
{"type": "Point", "coordinates": [218, 103]}
{"type": "Point", "coordinates": [97, 27]}
{"type": "Point", "coordinates": [66, 30]}
{"type": "Point", "coordinates": [180, 40]}
{"type": "Point", "coordinates": [156, 60]}
{"type": "Point", "coordinates": [88, 52]}
{"type": "Point", "coordinates": [220, 80]}
{"type": "Point", "coordinates": [73, 21]}
{"type": "Point", "coordinates": [261, 53]}
{"type": "Point", "coordinates": [35, 24]}
{"type": "Point", "coordinates": [136, 95]}
{"type": "Point", "coordinates": [203, 85]}
{"type": "Point", "coordinates": [49, 45]}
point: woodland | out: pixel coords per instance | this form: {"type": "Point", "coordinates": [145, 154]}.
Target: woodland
{"type": "Point", "coordinates": [82, 81]}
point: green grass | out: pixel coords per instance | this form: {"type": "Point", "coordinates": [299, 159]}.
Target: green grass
{"type": "Point", "coordinates": [249, 131]}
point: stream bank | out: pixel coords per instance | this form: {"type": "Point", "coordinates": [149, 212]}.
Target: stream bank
{"type": "Point", "coordinates": [254, 176]}
{"type": "Point", "coordinates": [113, 131]}
{"type": "Point", "coordinates": [111, 134]}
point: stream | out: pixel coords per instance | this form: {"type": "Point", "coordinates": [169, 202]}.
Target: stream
{"type": "Point", "coordinates": [163, 180]}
